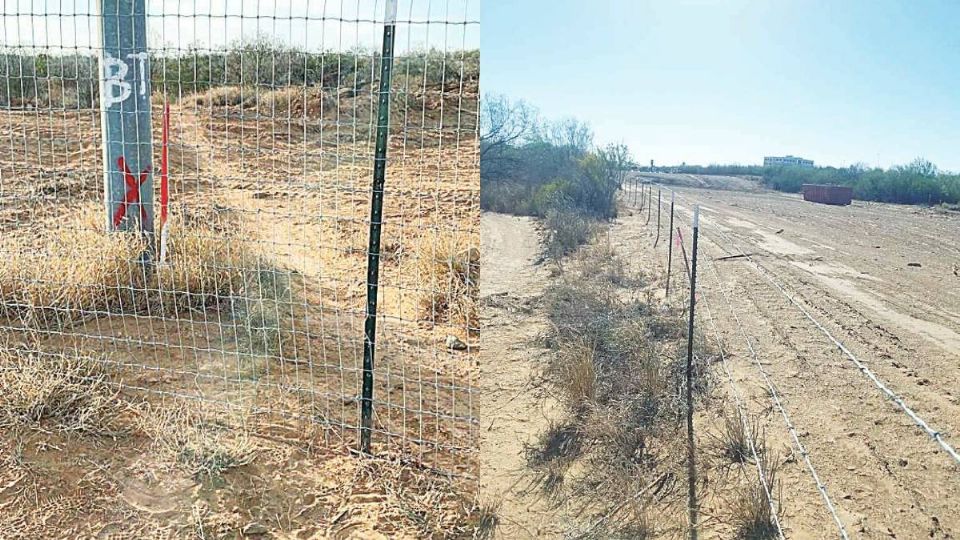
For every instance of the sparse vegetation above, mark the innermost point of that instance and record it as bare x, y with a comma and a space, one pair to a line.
618, 369
735, 436
449, 270
752, 515
59, 391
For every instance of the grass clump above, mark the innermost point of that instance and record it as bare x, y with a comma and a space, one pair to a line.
737, 438
487, 518
566, 230
68, 392
449, 267
203, 446
753, 512
75, 273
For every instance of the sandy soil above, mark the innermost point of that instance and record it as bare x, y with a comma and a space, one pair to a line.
302, 192
708, 181
883, 280
514, 410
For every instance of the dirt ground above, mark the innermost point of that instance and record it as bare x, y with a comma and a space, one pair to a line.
882, 279
301, 192
514, 409
705, 181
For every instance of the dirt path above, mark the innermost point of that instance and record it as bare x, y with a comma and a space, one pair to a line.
849, 267
512, 410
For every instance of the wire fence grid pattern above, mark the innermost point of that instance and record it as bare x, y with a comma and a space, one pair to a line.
251, 296
778, 288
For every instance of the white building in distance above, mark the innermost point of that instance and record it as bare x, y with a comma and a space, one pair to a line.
780, 161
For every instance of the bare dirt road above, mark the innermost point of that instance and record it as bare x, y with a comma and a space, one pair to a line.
883, 281
514, 410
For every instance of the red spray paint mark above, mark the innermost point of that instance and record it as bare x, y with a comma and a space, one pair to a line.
164, 194
132, 195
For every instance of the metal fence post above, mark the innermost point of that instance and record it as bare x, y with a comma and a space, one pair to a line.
691, 458
376, 221
125, 116
657, 240
649, 203
670, 244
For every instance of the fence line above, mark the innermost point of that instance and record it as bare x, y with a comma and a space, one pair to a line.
917, 420
742, 415
934, 434
273, 136
821, 487
775, 396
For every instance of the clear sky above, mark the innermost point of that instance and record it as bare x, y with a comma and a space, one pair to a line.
839, 82
56, 25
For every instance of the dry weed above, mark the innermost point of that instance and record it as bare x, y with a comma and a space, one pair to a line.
449, 267
752, 513
67, 391
737, 437
205, 447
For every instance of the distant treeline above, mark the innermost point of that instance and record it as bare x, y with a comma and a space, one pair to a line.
72, 81
918, 182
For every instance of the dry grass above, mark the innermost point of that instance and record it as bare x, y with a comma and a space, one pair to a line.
737, 437
488, 520
751, 513
449, 268
221, 96
578, 377
68, 393
618, 368
205, 447
80, 273
296, 101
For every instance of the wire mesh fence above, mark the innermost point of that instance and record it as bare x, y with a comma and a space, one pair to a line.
185, 196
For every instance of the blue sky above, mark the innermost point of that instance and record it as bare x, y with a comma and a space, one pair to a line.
838, 82
56, 25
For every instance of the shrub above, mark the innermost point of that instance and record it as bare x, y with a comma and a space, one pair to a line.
449, 268
565, 231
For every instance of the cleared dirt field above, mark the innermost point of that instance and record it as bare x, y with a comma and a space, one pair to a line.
883, 280
257, 383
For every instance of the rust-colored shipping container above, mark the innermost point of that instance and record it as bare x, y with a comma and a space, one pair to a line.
825, 194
